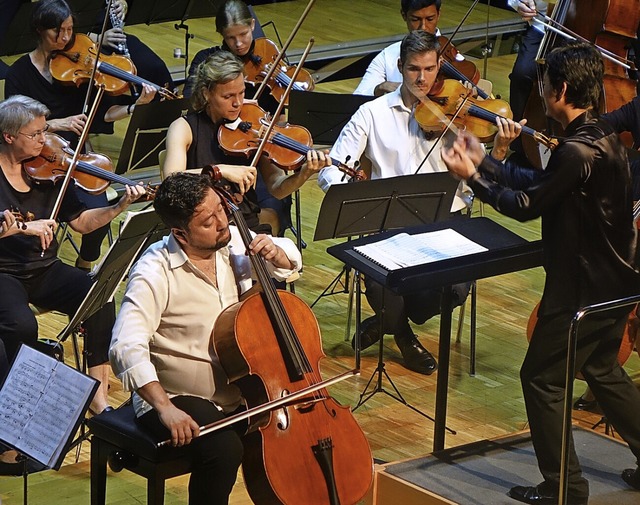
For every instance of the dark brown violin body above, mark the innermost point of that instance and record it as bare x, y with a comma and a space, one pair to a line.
74, 66
286, 147
256, 67
93, 172
610, 25
454, 66
312, 452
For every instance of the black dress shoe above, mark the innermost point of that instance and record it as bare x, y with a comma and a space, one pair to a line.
536, 495
632, 477
587, 405
416, 357
369, 333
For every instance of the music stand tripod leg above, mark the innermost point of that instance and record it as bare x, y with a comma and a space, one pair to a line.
331, 287
378, 374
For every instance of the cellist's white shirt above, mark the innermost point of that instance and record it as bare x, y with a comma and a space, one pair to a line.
164, 327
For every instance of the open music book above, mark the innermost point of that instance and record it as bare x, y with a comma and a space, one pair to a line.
404, 250
42, 402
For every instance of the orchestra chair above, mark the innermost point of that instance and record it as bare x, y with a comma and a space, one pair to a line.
118, 440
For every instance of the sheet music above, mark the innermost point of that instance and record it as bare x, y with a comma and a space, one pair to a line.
404, 250
40, 403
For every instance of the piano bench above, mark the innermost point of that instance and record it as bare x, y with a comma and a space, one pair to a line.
119, 440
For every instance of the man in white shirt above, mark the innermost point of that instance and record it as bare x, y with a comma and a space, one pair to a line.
162, 346
382, 75
386, 132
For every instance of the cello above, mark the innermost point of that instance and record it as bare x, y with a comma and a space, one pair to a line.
312, 452
610, 25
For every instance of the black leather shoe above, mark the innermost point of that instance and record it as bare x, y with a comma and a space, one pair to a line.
632, 477
536, 495
587, 405
369, 333
416, 357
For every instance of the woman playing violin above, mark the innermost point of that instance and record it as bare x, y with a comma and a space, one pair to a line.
52, 21
192, 141
30, 271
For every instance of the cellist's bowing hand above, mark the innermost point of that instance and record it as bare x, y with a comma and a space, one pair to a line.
508, 131
460, 157
42, 228
243, 176
316, 161
181, 425
264, 246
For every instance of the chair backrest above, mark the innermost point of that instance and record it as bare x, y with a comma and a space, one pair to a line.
162, 155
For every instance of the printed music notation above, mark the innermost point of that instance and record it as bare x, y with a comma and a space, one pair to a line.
41, 403
404, 250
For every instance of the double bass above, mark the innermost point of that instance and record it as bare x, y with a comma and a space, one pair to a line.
312, 452
610, 25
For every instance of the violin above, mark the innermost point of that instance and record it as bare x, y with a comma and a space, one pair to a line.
257, 66
93, 172
310, 452
74, 66
455, 102
455, 66
287, 146
21, 219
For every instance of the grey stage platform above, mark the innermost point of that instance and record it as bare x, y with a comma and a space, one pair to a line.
482, 473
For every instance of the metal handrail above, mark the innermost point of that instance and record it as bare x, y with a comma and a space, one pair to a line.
571, 373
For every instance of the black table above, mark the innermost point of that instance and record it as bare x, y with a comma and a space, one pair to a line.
507, 252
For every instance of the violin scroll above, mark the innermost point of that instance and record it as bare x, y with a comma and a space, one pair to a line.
21, 219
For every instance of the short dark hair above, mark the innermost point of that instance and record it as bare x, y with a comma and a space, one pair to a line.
581, 67
50, 14
407, 6
417, 42
178, 196
232, 12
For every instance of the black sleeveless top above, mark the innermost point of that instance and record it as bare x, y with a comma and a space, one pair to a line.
205, 150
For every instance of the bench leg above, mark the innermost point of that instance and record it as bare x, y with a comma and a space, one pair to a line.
155, 490
99, 455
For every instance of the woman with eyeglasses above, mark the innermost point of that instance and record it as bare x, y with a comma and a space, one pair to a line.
30, 271
52, 21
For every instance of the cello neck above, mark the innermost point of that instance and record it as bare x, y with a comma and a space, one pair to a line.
298, 364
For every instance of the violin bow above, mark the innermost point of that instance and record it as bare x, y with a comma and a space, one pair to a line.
267, 134
276, 62
450, 126
284, 401
74, 160
95, 65
464, 18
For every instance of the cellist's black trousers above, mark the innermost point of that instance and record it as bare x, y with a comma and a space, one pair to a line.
217, 455
543, 383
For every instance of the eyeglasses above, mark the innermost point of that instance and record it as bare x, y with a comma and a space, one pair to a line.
32, 136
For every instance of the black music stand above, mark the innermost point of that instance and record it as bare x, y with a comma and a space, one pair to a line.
506, 252
323, 114
140, 229
382, 205
147, 132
